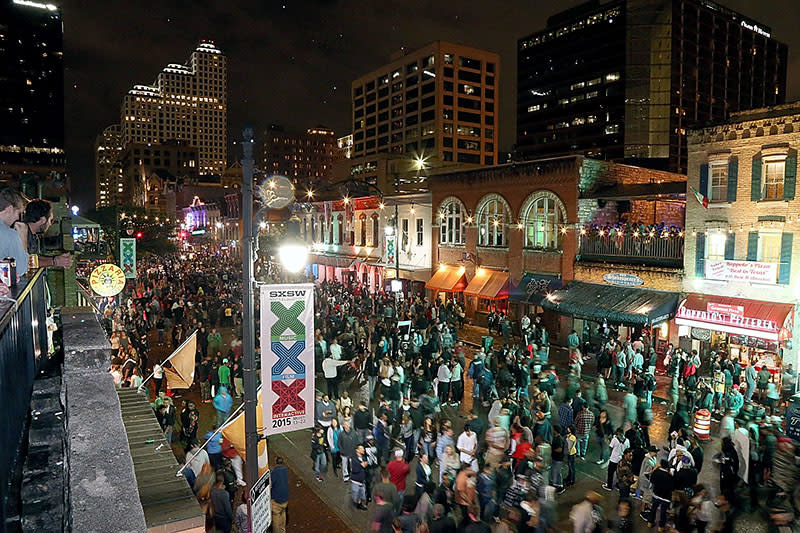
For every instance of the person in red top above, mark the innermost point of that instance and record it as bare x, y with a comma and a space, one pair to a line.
398, 470
522, 448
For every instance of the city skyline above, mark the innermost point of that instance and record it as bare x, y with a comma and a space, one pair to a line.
274, 48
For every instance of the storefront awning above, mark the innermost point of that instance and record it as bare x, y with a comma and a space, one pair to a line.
753, 318
489, 284
331, 260
533, 287
447, 279
616, 305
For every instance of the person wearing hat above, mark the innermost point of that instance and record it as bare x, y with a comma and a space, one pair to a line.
224, 374
588, 514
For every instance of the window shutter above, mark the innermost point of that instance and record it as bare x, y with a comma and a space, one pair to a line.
730, 246
755, 181
700, 256
790, 175
785, 269
752, 246
704, 181
733, 178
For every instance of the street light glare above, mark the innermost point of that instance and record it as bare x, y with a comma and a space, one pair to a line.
310, 193
293, 257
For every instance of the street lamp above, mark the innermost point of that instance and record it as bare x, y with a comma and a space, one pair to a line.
293, 256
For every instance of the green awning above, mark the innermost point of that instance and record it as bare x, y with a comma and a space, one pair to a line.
616, 305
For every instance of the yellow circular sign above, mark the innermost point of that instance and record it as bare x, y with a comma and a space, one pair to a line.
107, 280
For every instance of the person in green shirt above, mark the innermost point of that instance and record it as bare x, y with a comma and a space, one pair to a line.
224, 373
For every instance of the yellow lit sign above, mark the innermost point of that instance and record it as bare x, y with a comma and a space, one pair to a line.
107, 280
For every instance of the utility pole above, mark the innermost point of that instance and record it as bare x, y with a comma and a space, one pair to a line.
248, 340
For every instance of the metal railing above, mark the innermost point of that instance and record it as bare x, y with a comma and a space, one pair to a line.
23, 348
648, 251
85, 298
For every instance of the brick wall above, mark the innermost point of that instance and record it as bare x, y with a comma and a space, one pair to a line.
663, 279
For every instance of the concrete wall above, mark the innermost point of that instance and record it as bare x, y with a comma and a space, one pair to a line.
102, 486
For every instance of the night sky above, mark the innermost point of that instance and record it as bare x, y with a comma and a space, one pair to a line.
292, 62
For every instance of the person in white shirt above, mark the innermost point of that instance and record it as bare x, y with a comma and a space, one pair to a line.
158, 376
330, 369
336, 350
618, 446
456, 383
199, 457
467, 445
443, 377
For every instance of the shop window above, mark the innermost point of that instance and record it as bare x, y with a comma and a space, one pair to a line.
493, 217
543, 215
451, 222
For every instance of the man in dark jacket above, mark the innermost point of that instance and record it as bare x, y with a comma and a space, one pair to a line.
662, 483
358, 478
220, 501
362, 422
442, 523
347, 448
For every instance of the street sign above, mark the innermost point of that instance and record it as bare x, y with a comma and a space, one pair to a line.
261, 504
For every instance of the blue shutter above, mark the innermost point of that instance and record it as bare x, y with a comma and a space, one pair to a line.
790, 175
700, 256
786, 259
733, 178
755, 180
752, 246
730, 246
704, 181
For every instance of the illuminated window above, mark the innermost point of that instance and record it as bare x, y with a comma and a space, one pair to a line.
718, 186
614, 76
716, 246
492, 221
774, 171
451, 220
543, 214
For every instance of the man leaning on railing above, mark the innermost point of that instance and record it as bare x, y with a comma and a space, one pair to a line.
36, 221
12, 205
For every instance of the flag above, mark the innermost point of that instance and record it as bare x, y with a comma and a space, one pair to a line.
234, 432
700, 197
181, 375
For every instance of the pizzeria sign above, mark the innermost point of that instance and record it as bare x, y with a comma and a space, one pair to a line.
743, 271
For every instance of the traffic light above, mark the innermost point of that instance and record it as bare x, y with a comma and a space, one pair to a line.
139, 234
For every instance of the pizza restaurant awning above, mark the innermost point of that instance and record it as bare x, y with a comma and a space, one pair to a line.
489, 284
739, 316
447, 279
616, 305
533, 287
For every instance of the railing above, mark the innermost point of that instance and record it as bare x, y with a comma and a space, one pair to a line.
85, 298
23, 348
646, 251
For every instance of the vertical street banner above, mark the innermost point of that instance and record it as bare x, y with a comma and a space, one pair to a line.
391, 253
287, 357
127, 257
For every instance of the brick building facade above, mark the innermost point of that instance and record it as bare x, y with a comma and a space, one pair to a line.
743, 251
524, 222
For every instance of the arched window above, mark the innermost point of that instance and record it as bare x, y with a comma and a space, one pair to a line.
451, 221
339, 229
362, 223
492, 220
376, 235
543, 214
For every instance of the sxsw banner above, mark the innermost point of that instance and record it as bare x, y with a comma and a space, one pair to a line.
127, 257
287, 357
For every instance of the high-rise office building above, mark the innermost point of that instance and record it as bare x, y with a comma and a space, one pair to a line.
107, 169
306, 158
185, 103
625, 79
31, 89
438, 104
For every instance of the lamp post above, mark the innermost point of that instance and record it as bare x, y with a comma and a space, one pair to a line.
248, 333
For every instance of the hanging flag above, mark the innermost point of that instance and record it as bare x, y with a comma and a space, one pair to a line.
234, 432
181, 375
700, 197
127, 257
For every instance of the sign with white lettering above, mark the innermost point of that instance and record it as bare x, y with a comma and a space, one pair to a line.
622, 279
743, 271
728, 319
261, 504
737, 310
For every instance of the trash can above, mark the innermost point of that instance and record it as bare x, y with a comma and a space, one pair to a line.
702, 424
487, 342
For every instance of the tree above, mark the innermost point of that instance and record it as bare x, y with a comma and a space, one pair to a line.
153, 234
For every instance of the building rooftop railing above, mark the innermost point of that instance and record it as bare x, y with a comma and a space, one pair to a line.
654, 251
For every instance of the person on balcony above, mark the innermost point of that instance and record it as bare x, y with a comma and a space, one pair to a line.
12, 205
36, 221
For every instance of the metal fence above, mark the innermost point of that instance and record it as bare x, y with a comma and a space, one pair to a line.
23, 348
655, 250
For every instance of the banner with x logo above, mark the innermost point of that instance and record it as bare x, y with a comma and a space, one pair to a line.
287, 357
127, 257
